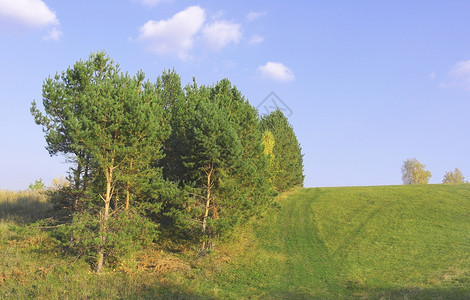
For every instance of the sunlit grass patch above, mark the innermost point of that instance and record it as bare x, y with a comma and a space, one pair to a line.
23, 207
392, 242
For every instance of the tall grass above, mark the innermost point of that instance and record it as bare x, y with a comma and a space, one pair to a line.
33, 265
23, 207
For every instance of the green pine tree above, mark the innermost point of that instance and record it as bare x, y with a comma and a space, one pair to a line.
288, 159
216, 148
116, 120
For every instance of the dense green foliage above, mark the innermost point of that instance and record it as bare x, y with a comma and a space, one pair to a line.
389, 242
112, 123
191, 160
215, 149
287, 159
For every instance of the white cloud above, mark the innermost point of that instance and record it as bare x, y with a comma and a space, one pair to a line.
459, 76
251, 16
29, 13
432, 75
256, 39
178, 34
175, 35
221, 33
276, 71
53, 35
150, 2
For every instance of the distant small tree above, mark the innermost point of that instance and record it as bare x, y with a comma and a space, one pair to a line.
455, 176
59, 183
38, 185
414, 172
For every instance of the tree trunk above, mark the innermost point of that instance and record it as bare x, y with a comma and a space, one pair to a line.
78, 171
104, 219
208, 201
127, 189
81, 181
127, 196
99, 264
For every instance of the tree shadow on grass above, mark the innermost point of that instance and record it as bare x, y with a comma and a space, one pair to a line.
385, 293
446, 292
171, 292
296, 295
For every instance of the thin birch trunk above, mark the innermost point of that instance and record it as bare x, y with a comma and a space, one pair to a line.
208, 201
104, 219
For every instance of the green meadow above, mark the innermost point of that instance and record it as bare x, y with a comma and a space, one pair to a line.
385, 242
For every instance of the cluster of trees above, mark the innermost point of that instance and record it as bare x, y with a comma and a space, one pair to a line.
187, 163
414, 172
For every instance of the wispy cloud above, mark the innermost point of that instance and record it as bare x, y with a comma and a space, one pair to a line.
276, 71
251, 16
221, 33
53, 35
256, 39
27, 13
175, 35
459, 76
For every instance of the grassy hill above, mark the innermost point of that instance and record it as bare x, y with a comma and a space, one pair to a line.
350, 242
364, 242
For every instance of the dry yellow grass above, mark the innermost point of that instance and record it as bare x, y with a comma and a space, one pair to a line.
23, 207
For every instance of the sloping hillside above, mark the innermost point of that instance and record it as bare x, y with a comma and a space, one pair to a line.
391, 241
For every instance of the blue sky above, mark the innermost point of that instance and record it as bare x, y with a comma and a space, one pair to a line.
369, 83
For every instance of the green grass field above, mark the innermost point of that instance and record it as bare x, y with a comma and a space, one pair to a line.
390, 242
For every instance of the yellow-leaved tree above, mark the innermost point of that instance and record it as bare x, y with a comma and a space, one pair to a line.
455, 176
414, 172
